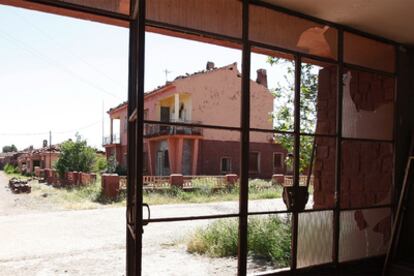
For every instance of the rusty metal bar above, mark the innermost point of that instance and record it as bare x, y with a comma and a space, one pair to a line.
183, 124
296, 158
83, 8
291, 52
131, 252
139, 130
245, 145
368, 70
173, 219
338, 156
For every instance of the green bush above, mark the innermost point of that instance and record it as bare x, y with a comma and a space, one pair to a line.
10, 169
100, 164
268, 238
75, 156
218, 239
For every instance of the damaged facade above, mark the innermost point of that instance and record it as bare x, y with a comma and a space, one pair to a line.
43, 158
210, 97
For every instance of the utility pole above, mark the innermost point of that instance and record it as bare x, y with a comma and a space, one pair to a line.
50, 149
103, 123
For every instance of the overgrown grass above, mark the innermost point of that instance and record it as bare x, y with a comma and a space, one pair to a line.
204, 191
70, 197
13, 171
91, 196
86, 196
10, 169
268, 238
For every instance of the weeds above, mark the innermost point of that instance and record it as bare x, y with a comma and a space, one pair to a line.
205, 190
10, 169
268, 238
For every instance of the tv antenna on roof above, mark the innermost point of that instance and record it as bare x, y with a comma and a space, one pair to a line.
166, 74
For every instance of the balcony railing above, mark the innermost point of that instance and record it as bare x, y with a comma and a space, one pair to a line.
108, 141
158, 130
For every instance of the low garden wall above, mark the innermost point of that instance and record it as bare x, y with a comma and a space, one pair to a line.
51, 176
112, 184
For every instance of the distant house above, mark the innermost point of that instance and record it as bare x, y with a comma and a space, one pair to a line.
44, 158
210, 97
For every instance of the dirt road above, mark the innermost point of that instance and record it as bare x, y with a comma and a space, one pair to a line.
92, 242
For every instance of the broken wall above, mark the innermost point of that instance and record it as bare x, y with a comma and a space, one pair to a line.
366, 161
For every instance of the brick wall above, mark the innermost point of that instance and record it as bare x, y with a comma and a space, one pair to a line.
366, 175
211, 152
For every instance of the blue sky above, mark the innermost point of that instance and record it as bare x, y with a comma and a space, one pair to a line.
59, 73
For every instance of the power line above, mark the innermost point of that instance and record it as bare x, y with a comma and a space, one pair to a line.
77, 129
65, 49
47, 132
55, 63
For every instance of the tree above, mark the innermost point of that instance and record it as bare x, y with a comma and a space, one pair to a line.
75, 156
283, 117
101, 164
11, 148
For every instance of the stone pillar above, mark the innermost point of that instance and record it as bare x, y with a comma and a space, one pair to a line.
231, 179
177, 180
278, 179
110, 185
195, 156
172, 154
179, 155
111, 131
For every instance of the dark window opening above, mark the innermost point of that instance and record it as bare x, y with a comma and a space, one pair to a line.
254, 162
277, 160
166, 159
225, 165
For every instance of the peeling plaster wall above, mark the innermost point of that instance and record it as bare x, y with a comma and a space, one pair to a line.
371, 116
216, 99
366, 167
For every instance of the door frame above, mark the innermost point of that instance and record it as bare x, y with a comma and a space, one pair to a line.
135, 132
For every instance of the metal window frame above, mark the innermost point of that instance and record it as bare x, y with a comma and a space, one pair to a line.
135, 127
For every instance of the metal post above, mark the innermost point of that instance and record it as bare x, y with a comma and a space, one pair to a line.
337, 212
132, 94
296, 156
245, 125
50, 149
135, 141
139, 128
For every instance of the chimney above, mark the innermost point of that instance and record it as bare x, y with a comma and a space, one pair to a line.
262, 77
210, 65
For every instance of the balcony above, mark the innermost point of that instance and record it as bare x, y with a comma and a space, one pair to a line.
108, 140
161, 130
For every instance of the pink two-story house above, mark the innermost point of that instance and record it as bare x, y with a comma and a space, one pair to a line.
209, 97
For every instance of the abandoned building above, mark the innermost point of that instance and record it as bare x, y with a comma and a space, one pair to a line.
362, 217
202, 98
43, 158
